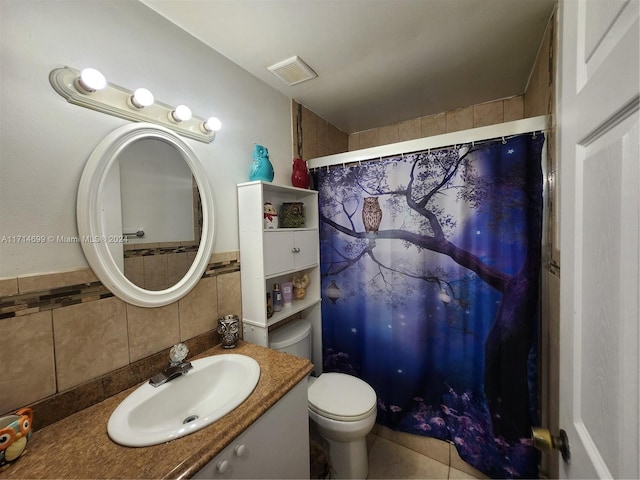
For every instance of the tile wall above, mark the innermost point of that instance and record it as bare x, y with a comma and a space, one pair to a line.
541, 100
67, 342
313, 136
157, 267
480, 115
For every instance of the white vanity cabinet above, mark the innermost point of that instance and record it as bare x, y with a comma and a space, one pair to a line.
275, 446
271, 256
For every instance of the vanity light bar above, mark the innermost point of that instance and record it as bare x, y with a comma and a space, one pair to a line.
139, 106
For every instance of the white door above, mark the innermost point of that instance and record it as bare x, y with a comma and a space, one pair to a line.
599, 247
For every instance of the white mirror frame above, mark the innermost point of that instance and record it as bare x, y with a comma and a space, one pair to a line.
90, 223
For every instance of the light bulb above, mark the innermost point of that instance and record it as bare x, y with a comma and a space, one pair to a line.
212, 125
182, 113
91, 80
142, 98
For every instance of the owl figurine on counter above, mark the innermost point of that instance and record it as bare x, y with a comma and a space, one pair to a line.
261, 168
15, 431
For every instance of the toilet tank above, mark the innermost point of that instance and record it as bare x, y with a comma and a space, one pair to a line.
294, 338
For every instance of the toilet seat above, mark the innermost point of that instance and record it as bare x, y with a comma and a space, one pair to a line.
341, 397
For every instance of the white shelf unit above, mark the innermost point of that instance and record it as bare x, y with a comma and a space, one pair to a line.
271, 256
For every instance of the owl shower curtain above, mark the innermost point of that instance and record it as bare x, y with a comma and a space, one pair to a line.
430, 266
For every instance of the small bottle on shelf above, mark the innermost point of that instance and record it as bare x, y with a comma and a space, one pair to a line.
269, 305
277, 297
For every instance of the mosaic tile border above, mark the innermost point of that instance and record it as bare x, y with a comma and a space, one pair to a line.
17, 305
142, 251
49, 299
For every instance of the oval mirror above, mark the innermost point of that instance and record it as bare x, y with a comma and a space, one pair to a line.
145, 214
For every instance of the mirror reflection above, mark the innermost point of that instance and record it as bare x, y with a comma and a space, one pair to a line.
151, 199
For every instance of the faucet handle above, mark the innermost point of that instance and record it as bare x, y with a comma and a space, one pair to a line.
178, 353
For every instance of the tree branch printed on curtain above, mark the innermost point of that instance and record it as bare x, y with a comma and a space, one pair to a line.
453, 236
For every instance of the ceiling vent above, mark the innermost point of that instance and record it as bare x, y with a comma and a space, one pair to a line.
292, 71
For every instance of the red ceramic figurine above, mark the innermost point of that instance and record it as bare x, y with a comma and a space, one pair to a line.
300, 174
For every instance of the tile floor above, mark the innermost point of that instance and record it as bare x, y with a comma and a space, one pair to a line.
390, 460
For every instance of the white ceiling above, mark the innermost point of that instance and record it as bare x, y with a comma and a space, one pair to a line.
378, 61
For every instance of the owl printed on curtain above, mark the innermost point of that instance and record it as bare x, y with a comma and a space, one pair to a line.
371, 214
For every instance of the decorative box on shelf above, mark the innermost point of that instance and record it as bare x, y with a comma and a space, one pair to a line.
292, 215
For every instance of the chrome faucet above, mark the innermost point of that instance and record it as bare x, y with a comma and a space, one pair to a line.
176, 368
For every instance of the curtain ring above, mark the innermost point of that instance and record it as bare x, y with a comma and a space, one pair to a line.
504, 142
327, 168
534, 135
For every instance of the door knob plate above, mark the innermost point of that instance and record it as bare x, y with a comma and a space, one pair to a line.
545, 442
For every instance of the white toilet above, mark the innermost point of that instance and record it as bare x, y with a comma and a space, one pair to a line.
342, 406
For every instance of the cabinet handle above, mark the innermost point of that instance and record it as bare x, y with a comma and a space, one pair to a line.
240, 450
222, 466
295, 250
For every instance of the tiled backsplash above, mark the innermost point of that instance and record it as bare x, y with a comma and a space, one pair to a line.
69, 343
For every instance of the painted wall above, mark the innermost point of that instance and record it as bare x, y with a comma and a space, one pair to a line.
45, 141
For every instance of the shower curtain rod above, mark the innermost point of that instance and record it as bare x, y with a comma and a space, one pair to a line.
517, 127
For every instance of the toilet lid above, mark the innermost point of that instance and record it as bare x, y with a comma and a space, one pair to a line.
290, 334
341, 397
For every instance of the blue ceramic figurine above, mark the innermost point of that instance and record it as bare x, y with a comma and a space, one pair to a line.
261, 168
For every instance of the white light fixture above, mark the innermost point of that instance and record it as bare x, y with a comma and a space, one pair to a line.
90, 89
141, 98
182, 113
90, 80
212, 125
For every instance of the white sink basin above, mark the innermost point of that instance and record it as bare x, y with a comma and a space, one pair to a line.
215, 386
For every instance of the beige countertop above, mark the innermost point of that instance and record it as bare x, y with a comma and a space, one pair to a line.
79, 447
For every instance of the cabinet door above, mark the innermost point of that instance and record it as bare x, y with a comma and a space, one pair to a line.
285, 251
275, 446
278, 252
305, 246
